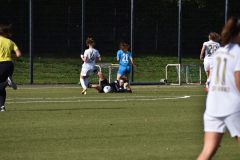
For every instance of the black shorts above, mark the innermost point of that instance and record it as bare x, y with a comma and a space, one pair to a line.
6, 70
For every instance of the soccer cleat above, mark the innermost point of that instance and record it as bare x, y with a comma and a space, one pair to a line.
84, 91
3, 109
11, 83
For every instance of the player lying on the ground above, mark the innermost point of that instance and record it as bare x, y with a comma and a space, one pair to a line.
121, 86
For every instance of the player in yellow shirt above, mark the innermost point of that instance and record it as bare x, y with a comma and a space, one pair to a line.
7, 46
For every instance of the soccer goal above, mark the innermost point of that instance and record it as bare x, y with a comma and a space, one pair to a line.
109, 70
176, 74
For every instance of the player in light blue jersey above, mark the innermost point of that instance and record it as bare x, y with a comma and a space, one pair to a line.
124, 57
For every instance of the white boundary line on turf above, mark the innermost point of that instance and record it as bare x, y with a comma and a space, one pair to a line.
22, 87
101, 100
84, 97
94, 97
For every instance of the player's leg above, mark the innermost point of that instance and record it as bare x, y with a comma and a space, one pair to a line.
4, 72
121, 71
207, 71
211, 143
86, 81
3, 85
214, 129
83, 84
233, 125
127, 72
83, 81
96, 86
2, 94
11, 83
2, 100
118, 76
9, 72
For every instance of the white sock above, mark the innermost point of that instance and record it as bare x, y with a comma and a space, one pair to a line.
83, 83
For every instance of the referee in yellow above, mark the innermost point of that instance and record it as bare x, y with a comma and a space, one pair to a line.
7, 46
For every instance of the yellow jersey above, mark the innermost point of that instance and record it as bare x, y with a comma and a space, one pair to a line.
6, 47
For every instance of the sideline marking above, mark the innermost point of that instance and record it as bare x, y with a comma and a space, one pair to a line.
98, 100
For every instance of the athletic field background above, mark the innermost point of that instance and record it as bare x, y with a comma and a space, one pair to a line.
66, 70
56, 122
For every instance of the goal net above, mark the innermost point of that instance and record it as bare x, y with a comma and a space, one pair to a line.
109, 70
177, 74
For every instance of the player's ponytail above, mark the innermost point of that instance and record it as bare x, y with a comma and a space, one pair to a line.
230, 31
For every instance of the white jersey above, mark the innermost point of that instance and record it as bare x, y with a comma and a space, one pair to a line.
224, 97
210, 47
91, 55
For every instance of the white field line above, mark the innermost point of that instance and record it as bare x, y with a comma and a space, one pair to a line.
98, 100
22, 87
82, 97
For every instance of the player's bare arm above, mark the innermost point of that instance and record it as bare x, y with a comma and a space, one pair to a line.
202, 53
18, 53
82, 57
98, 59
237, 79
132, 62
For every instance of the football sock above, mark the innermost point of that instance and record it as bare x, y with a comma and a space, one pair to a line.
83, 83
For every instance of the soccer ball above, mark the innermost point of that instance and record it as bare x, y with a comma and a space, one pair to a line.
107, 89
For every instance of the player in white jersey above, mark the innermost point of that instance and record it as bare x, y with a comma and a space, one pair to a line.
223, 100
207, 51
90, 57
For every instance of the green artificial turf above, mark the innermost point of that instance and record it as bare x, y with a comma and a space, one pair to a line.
152, 123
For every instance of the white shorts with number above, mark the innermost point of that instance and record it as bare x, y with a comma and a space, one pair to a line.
220, 124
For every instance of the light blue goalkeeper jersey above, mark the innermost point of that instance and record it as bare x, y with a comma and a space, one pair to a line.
124, 58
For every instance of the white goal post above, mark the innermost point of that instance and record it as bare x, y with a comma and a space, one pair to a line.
185, 68
109, 67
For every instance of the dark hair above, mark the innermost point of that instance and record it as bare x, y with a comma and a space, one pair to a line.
230, 31
123, 44
214, 36
90, 41
5, 30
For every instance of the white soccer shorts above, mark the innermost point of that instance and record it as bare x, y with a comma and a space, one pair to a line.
220, 124
87, 71
207, 63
